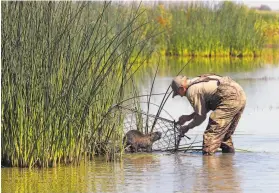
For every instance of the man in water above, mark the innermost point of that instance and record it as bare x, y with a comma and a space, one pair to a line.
220, 94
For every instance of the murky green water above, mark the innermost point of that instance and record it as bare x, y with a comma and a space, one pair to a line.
258, 132
242, 172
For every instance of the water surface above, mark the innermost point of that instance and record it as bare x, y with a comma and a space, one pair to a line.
242, 172
258, 129
257, 132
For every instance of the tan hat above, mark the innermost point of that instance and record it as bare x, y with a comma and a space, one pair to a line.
177, 83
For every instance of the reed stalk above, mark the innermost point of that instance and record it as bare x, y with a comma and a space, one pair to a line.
64, 64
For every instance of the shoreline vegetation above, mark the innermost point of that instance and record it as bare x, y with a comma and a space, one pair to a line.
216, 30
65, 64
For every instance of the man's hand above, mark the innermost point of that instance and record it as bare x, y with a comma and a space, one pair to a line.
184, 129
184, 118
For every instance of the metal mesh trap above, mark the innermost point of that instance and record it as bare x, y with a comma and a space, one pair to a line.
146, 123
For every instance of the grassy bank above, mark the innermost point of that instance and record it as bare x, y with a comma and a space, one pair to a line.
63, 65
215, 29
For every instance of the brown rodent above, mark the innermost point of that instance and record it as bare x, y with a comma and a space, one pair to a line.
137, 140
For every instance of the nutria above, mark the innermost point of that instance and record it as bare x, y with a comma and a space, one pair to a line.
136, 140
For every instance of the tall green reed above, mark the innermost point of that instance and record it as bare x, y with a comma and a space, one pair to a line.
64, 64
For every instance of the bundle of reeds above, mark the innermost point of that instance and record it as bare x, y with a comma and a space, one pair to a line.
63, 66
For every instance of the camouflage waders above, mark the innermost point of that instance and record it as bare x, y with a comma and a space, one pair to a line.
227, 103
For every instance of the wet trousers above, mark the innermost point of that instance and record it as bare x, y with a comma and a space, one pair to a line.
224, 118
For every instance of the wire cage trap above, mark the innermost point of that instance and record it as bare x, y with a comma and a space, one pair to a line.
146, 123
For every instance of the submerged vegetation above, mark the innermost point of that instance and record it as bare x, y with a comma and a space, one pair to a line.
65, 64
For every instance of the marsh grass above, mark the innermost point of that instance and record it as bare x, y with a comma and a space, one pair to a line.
210, 29
64, 64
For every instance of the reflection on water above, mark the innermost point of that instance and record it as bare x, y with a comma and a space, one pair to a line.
219, 174
170, 66
162, 172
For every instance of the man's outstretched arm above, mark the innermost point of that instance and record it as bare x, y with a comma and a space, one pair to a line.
197, 120
184, 118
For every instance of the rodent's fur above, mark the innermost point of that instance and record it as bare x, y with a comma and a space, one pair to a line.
137, 140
